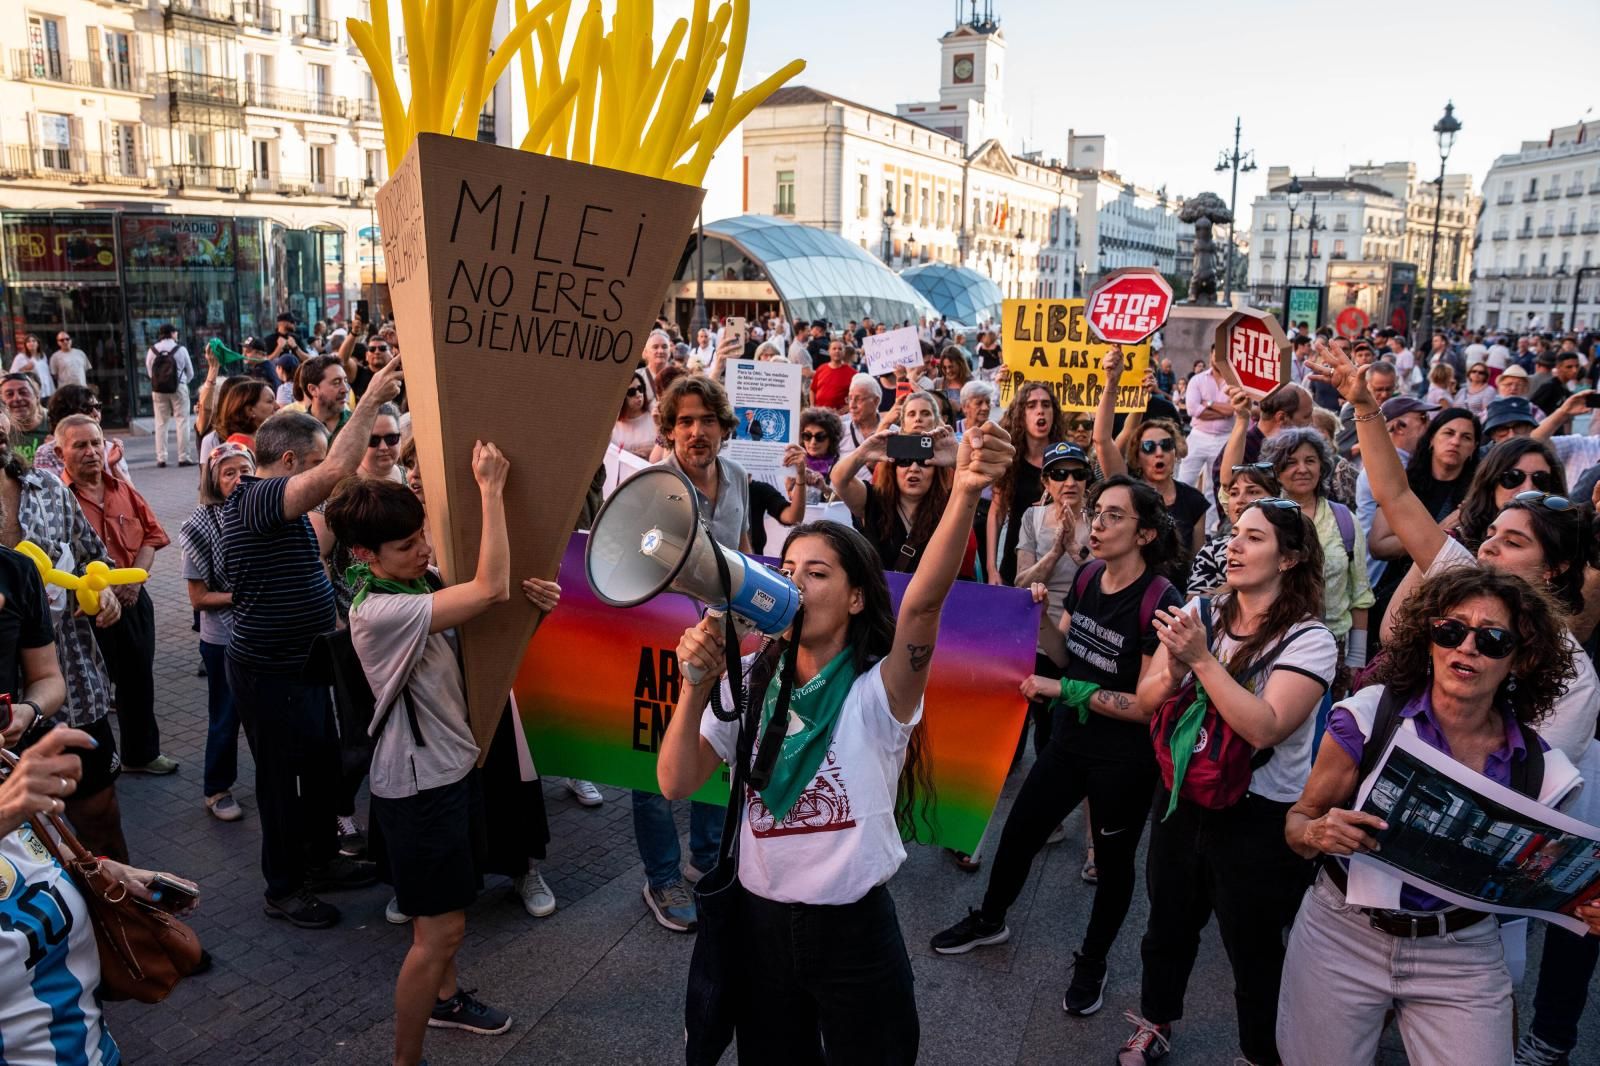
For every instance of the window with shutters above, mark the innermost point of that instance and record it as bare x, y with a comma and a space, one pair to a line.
785, 202
262, 154
319, 164
123, 147
45, 58
55, 141
117, 73
374, 165
861, 195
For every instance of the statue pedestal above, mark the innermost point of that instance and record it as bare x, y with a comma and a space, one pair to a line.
1188, 334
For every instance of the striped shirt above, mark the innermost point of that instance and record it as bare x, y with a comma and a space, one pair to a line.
281, 596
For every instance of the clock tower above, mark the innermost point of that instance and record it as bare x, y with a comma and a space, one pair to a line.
972, 60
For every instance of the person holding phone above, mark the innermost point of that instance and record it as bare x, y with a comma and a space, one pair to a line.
899, 511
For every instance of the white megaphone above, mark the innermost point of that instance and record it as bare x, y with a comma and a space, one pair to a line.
648, 539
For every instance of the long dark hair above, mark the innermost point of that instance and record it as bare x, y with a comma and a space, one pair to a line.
1543, 662
870, 636
1163, 554
1478, 509
1419, 471
1013, 421
887, 488
1299, 593
1567, 540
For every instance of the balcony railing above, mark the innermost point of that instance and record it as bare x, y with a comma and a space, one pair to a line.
1552, 193
81, 73
1530, 196
1595, 187
1547, 231
270, 96
255, 15
189, 88
210, 10
1501, 234
1269, 254
1569, 229
783, 208
69, 167
302, 185
1591, 227
199, 176
1505, 198
365, 111
1574, 190
486, 128
317, 29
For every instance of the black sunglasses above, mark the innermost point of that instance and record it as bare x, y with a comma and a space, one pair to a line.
377, 347
1554, 503
635, 390
391, 439
1260, 468
1492, 642
1513, 479
903, 463
1062, 473
817, 435
1166, 444
1275, 502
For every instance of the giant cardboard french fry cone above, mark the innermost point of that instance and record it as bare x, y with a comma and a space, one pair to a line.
523, 288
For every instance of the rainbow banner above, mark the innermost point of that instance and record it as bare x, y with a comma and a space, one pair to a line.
598, 685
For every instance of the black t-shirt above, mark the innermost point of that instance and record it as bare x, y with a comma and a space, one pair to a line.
889, 547
1187, 508
24, 617
989, 358
1106, 645
1025, 492
362, 379
1551, 395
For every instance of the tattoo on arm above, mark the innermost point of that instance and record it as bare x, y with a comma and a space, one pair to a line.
920, 654
1120, 700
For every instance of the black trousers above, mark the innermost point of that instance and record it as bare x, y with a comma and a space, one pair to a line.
290, 729
1119, 792
130, 650
1564, 976
1235, 864
826, 985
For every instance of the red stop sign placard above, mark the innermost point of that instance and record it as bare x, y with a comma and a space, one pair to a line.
1351, 321
1252, 351
1128, 305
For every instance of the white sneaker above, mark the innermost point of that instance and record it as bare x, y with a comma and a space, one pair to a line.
584, 792
537, 899
393, 914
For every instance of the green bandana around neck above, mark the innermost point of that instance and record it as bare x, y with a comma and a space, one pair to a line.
813, 715
360, 577
1184, 735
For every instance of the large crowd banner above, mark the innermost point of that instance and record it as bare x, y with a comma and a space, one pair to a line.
1049, 341
598, 685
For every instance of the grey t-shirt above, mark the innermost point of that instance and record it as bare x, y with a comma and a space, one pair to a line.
404, 662
1037, 534
726, 516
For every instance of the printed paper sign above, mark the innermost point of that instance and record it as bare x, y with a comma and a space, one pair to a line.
1049, 341
766, 408
885, 351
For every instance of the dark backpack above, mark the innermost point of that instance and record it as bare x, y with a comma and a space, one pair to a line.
1347, 527
1527, 775
164, 371
1219, 770
1148, 603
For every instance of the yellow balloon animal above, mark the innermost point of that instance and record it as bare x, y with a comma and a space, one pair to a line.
97, 577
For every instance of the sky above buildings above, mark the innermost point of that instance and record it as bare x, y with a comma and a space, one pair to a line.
1318, 87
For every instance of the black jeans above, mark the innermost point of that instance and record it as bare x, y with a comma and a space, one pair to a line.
289, 727
1564, 976
1233, 863
1118, 791
130, 650
826, 984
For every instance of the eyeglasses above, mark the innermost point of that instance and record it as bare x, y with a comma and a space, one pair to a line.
1260, 468
63, 339
1554, 503
1165, 444
391, 439
1103, 519
635, 390
1477, 373
1276, 502
817, 435
1062, 473
1491, 642
377, 347
903, 463
1513, 478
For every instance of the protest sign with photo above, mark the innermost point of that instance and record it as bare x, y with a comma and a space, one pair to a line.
1470, 841
883, 352
1049, 341
766, 408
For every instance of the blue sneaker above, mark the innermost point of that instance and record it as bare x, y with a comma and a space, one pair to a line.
672, 906
464, 1011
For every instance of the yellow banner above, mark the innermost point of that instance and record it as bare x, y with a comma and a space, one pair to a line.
1049, 341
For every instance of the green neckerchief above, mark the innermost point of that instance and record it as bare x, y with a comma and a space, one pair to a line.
1076, 694
360, 577
1184, 735
813, 714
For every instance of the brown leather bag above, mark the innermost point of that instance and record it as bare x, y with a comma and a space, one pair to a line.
144, 951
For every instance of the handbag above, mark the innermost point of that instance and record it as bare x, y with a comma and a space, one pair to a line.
144, 951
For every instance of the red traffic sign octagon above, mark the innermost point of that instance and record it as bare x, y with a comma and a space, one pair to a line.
1351, 321
1129, 305
1252, 350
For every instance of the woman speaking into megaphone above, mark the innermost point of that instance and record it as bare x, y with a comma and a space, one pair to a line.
799, 947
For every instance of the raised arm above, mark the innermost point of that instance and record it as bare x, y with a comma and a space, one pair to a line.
1105, 416
1233, 451
985, 453
306, 490
1408, 518
846, 485
1575, 405
491, 582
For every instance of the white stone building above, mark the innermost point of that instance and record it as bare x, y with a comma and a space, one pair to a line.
1337, 219
1539, 229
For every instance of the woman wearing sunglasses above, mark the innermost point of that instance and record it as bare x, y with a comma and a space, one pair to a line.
900, 508
1099, 746
1242, 485
1475, 660
1257, 672
811, 462
1152, 455
635, 429
1508, 469
1477, 392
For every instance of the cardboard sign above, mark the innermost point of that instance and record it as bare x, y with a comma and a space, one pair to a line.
885, 351
1048, 341
604, 722
1252, 352
1129, 305
523, 288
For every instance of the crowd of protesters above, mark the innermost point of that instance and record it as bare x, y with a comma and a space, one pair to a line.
1242, 602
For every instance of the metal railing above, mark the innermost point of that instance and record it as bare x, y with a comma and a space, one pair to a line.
1505, 198
1569, 229
210, 10
81, 73
270, 96
255, 15
1547, 231
1529, 197
199, 176
783, 208
1552, 193
1574, 190
69, 167
203, 89
318, 29
365, 111
1591, 227
1501, 234
486, 128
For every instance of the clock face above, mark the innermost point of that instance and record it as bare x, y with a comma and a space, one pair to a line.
963, 68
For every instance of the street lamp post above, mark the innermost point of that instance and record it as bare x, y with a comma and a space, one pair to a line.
369, 185
888, 233
1237, 161
1555, 297
1019, 237
1312, 226
1293, 197
1083, 274
698, 319
1577, 283
1444, 131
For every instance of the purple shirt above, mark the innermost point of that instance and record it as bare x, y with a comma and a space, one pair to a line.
1347, 734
